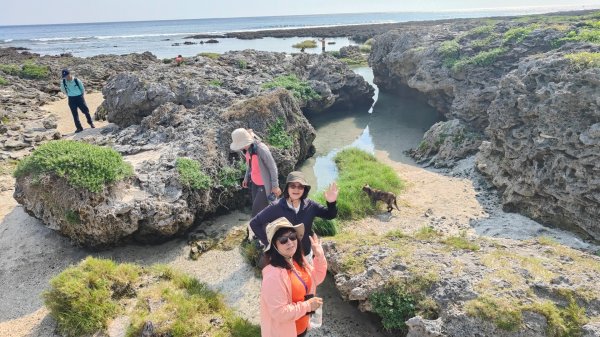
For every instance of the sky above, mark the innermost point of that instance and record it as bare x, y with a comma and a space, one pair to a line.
25, 12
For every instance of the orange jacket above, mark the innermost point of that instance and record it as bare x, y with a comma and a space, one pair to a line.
277, 312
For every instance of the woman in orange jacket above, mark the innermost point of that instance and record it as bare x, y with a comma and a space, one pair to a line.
289, 281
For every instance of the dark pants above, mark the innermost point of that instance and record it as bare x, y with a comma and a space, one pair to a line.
78, 102
259, 198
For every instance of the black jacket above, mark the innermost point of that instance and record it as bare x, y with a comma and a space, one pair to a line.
307, 213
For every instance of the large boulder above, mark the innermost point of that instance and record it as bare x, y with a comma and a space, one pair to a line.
164, 113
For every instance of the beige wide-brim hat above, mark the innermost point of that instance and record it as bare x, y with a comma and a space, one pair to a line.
298, 177
282, 222
240, 139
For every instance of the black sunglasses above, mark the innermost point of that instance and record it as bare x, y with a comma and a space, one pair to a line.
284, 239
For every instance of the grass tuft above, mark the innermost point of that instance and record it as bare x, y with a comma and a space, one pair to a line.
278, 137
81, 164
584, 60
213, 56
305, 44
357, 168
191, 175
301, 89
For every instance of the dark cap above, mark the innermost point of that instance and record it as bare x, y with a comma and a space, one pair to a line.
65, 73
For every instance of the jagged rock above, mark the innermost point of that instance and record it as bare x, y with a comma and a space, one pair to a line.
166, 113
591, 329
539, 112
420, 327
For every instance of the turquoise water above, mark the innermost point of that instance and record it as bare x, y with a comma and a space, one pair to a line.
393, 125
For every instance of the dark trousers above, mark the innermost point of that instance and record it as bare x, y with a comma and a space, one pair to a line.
259, 198
79, 102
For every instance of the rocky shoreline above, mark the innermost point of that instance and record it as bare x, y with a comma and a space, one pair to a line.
512, 98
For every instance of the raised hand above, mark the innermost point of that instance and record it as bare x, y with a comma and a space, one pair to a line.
332, 192
315, 244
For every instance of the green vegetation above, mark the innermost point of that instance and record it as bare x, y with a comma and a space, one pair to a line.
215, 83
508, 315
213, 56
355, 62
301, 89
461, 242
484, 58
191, 175
81, 164
518, 34
242, 64
365, 48
251, 253
357, 168
584, 60
503, 314
450, 51
72, 217
230, 176
278, 137
3, 81
427, 233
28, 70
305, 44
400, 300
10, 69
84, 298
325, 227
334, 53
484, 43
167, 61
583, 35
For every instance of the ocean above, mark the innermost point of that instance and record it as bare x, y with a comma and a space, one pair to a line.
159, 37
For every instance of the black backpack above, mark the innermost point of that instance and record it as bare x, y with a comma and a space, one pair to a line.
76, 83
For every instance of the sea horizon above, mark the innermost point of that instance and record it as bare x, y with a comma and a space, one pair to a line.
167, 37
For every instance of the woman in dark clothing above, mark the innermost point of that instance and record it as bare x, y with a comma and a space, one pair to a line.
297, 208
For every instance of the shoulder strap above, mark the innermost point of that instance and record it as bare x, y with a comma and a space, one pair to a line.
78, 85
65, 86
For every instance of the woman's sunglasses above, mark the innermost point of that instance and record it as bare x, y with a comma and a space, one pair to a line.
296, 186
284, 239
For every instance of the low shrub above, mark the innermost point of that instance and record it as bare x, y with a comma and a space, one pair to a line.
278, 137
167, 61
355, 62
83, 298
300, 89
3, 81
191, 175
213, 56
365, 48
394, 305
230, 176
81, 164
450, 50
10, 69
305, 44
33, 71
215, 83
357, 168
505, 315
334, 53
584, 60
461, 242
518, 34
242, 64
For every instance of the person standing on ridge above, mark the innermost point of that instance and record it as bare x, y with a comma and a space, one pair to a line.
261, 170
322, 44
73, 88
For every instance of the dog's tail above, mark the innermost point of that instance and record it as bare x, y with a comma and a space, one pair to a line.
395, 204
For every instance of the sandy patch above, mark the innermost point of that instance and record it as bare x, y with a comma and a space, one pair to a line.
61, 109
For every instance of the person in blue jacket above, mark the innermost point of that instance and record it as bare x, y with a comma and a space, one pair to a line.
297, 208
73, 88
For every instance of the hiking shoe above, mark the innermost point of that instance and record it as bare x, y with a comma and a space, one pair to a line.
78, 130
92, 126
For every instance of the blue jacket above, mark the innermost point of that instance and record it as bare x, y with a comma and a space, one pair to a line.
307, 213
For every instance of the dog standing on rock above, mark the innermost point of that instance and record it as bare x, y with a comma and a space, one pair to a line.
388, 197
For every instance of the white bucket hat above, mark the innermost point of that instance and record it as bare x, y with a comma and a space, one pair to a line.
282, 222
241, 138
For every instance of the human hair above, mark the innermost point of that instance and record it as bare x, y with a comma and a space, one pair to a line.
286, 194
276, 259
